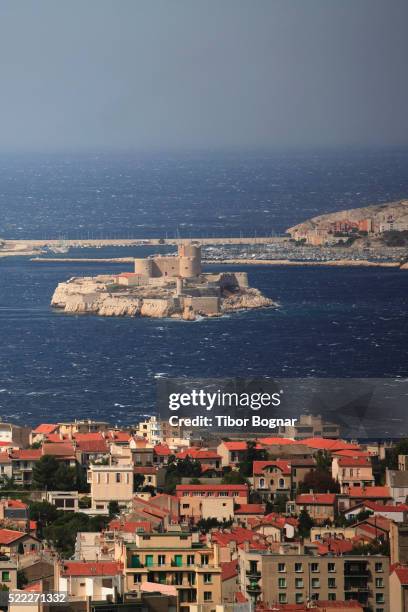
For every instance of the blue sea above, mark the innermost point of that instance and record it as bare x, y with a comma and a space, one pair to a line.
331, 322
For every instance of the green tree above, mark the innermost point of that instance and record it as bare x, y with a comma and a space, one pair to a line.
138, 480
305, 523
251, 454
233, 477
319, 481
279, 503
323, 460
44, 473
22, 580
113, 508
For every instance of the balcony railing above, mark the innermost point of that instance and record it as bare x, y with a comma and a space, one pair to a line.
253, 574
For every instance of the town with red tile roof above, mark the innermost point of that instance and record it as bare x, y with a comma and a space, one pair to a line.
274, 523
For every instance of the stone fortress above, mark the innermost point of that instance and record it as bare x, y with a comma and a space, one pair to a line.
161, 286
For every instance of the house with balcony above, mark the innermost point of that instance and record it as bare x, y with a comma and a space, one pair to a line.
299, 575
177, 559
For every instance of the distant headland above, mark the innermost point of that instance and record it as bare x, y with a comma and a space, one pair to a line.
161, 286
386, 224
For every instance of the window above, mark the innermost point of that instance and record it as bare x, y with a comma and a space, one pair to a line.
314, 567
161, 559
281, 483
298, 567
282, 597
332, 596
107, 477
281, 567
117, 476
186, 505
379, 598
299, 583
204, 559
379, 567
262, 483
282, 583
299, 598
315, 583
331, 583
331, 567
190, 559
379, 583
137, 578
207, 595
207, 578
5, 576
107, 583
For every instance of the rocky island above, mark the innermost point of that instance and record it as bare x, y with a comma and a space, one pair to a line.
161, 286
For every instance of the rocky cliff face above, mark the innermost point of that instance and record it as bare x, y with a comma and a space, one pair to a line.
250, 298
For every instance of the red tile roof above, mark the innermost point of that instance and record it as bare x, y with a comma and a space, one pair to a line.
369, 492
88, 437
229, 569
162, 449
260, 466
330, 445
239, 446
240, 597
327, 499
215, 487
250, 509
271, 441
15, 503
386, 507
90, 568
352, 453
145, 469
31, 454
45, 428
354, 462
130, 526
238, 535
119, 436
402, 574
198, 453
8, 536
59, 450
92, 446
333, 545
5, 458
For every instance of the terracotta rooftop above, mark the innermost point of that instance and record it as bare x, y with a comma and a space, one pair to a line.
90, 568
316, 498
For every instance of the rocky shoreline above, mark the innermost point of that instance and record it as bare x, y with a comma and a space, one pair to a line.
95, 295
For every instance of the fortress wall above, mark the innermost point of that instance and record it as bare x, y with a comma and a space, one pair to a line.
166, 266
234, 279
144, 267
205, 305
189, 266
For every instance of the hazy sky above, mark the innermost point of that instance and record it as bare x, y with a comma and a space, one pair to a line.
202, 73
